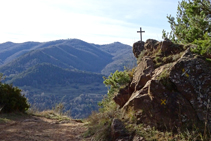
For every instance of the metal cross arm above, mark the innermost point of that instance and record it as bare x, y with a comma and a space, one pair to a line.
140, 33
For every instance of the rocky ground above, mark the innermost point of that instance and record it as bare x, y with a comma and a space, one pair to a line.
40, 128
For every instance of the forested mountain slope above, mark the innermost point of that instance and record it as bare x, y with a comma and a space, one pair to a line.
63, 71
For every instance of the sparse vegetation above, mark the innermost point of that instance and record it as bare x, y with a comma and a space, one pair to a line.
164, 77
56, 113
141, 55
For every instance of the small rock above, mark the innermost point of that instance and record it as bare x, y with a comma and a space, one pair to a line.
118, 130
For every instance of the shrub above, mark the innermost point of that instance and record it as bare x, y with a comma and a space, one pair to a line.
114, 82
11, 99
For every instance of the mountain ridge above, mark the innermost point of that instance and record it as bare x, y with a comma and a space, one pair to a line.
79, 55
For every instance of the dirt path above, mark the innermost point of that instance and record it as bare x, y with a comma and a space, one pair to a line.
33, 128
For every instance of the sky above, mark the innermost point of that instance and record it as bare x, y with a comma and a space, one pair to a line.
93, 21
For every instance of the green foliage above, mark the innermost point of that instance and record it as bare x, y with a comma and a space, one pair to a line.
204, 46
11, 99
117, 79
192, 20
192, 25
114, 82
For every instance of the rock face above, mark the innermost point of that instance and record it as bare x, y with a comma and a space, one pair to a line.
123, 96
174, 94
138, 47
142, 74
151, 44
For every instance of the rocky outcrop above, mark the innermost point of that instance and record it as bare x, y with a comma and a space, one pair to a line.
138, 47
174, 94
151, 44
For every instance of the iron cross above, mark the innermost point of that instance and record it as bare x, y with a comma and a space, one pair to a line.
140, 33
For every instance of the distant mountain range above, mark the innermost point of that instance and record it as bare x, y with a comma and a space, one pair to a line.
64, 68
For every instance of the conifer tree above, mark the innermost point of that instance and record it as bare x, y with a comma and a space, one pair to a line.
192, 20
192, 25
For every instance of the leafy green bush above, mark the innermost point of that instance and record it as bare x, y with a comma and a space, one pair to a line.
114, 82
11, 99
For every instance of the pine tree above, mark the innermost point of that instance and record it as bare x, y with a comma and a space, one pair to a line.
192, 25
192, 20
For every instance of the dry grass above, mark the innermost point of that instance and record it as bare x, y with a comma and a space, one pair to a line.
50, 114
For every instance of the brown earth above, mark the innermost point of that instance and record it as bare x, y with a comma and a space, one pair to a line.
39, 128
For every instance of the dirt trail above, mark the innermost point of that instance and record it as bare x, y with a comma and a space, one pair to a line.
33, 128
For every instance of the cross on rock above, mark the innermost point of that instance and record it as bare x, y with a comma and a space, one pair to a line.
140, 33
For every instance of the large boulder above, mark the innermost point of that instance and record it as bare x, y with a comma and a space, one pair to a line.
166, 46
192, 77
138, 47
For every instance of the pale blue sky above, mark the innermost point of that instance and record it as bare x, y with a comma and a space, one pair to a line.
94, 21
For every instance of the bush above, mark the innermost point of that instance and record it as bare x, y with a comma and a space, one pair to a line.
114, 82
11, 99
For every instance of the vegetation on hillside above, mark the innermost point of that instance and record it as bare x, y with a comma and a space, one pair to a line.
45, 85
116, 80
100, 123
